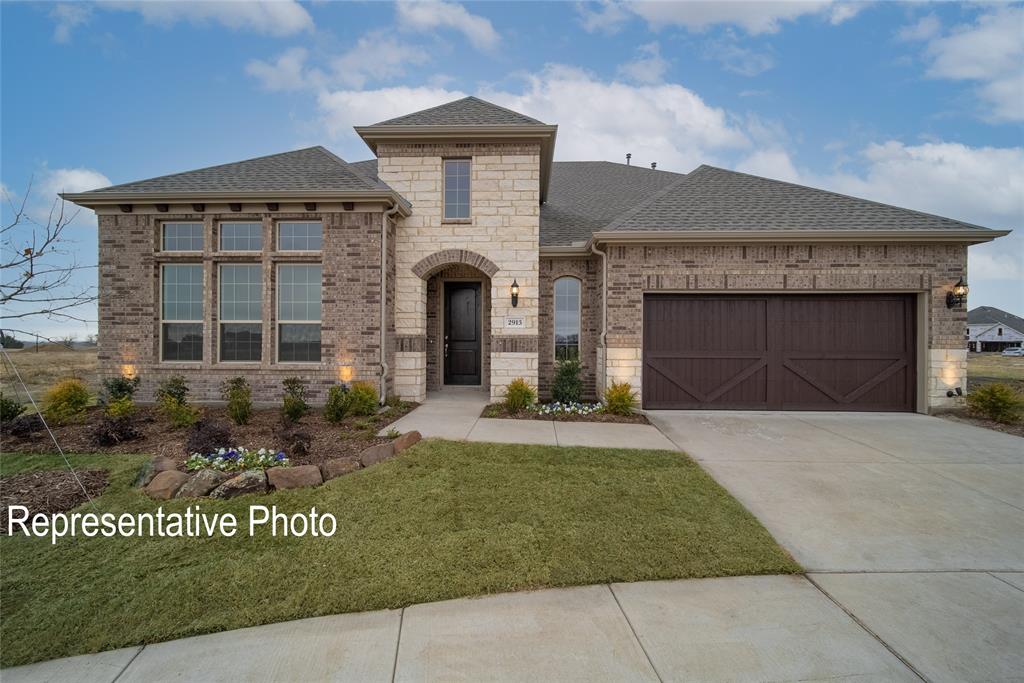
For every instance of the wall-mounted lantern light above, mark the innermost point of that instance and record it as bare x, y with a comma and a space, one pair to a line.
958, 295
515, 293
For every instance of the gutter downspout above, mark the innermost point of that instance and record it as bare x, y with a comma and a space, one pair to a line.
382, 391
604, 308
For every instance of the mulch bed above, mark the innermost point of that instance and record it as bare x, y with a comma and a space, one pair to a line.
498, 410
48, 491
964, 417
265, 430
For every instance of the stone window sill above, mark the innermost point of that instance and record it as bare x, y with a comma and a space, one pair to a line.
456, 221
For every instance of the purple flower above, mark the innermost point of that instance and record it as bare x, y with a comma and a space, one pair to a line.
280, 456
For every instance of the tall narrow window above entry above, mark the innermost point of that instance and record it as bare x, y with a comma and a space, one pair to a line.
456, 188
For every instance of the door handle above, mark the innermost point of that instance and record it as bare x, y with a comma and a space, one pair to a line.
446, 350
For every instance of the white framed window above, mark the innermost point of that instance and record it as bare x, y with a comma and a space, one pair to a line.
181, 237
298, 313
181, 313
241, 313
241, 237
456, 188
567, 318
300, 236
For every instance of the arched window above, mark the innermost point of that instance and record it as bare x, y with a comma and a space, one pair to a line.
567, 318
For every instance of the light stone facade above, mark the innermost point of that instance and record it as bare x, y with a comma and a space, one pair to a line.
504, 227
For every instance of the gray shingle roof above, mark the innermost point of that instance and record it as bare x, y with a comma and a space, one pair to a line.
712, 198
586, 196
312, 169
996, 316
469, 111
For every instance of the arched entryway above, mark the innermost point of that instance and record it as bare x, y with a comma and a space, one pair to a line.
458, 318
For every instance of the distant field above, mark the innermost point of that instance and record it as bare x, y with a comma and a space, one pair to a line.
41, 369
985, 368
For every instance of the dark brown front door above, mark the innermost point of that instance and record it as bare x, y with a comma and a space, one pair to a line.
798, 352
462, 333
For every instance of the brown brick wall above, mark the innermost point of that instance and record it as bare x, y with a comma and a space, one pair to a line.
633, 270
588, 271
129, 295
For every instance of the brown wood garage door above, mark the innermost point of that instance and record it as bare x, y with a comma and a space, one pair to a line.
800, 352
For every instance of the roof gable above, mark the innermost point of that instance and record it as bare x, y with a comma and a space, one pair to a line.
716, 199
469, 111
310, 169
988, 314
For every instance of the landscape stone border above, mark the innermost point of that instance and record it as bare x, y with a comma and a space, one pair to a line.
161, 479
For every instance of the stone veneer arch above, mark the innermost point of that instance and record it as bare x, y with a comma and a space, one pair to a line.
440, 259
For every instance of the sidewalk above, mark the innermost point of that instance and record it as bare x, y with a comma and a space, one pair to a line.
742, 628
455, 414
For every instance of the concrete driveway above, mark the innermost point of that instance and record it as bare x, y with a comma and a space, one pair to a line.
913, 524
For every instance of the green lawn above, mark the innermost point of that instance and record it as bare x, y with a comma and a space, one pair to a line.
440, 521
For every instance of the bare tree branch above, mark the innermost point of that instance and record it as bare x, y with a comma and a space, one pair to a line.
38, 265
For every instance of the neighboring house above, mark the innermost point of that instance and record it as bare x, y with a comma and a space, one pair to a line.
464, 255
991, 329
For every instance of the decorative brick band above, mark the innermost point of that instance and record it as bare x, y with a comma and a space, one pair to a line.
415, 343
519, 343
431, 264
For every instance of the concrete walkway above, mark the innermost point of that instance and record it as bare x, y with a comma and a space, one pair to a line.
779, 628
454, 413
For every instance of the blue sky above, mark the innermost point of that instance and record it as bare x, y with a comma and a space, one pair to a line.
919, 105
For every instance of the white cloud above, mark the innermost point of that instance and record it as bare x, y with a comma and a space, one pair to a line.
770, 163
925, 28
990, 51
666, 123
427, 15
648, 67
753, 16
58, 180
607, 16
287, 72
271, 17
983, 185
733, 57
67, 17
377, 56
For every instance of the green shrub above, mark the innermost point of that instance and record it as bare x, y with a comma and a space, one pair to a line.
567, 387
363, 399
177, 413
337, 403
619, 399
174, 387
9, 408
998, 402
111, 430
295, 405
120, 407
238, 394
117, 388
519, 395
65, 400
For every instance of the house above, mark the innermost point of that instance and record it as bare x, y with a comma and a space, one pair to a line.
462, 254
991, 329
